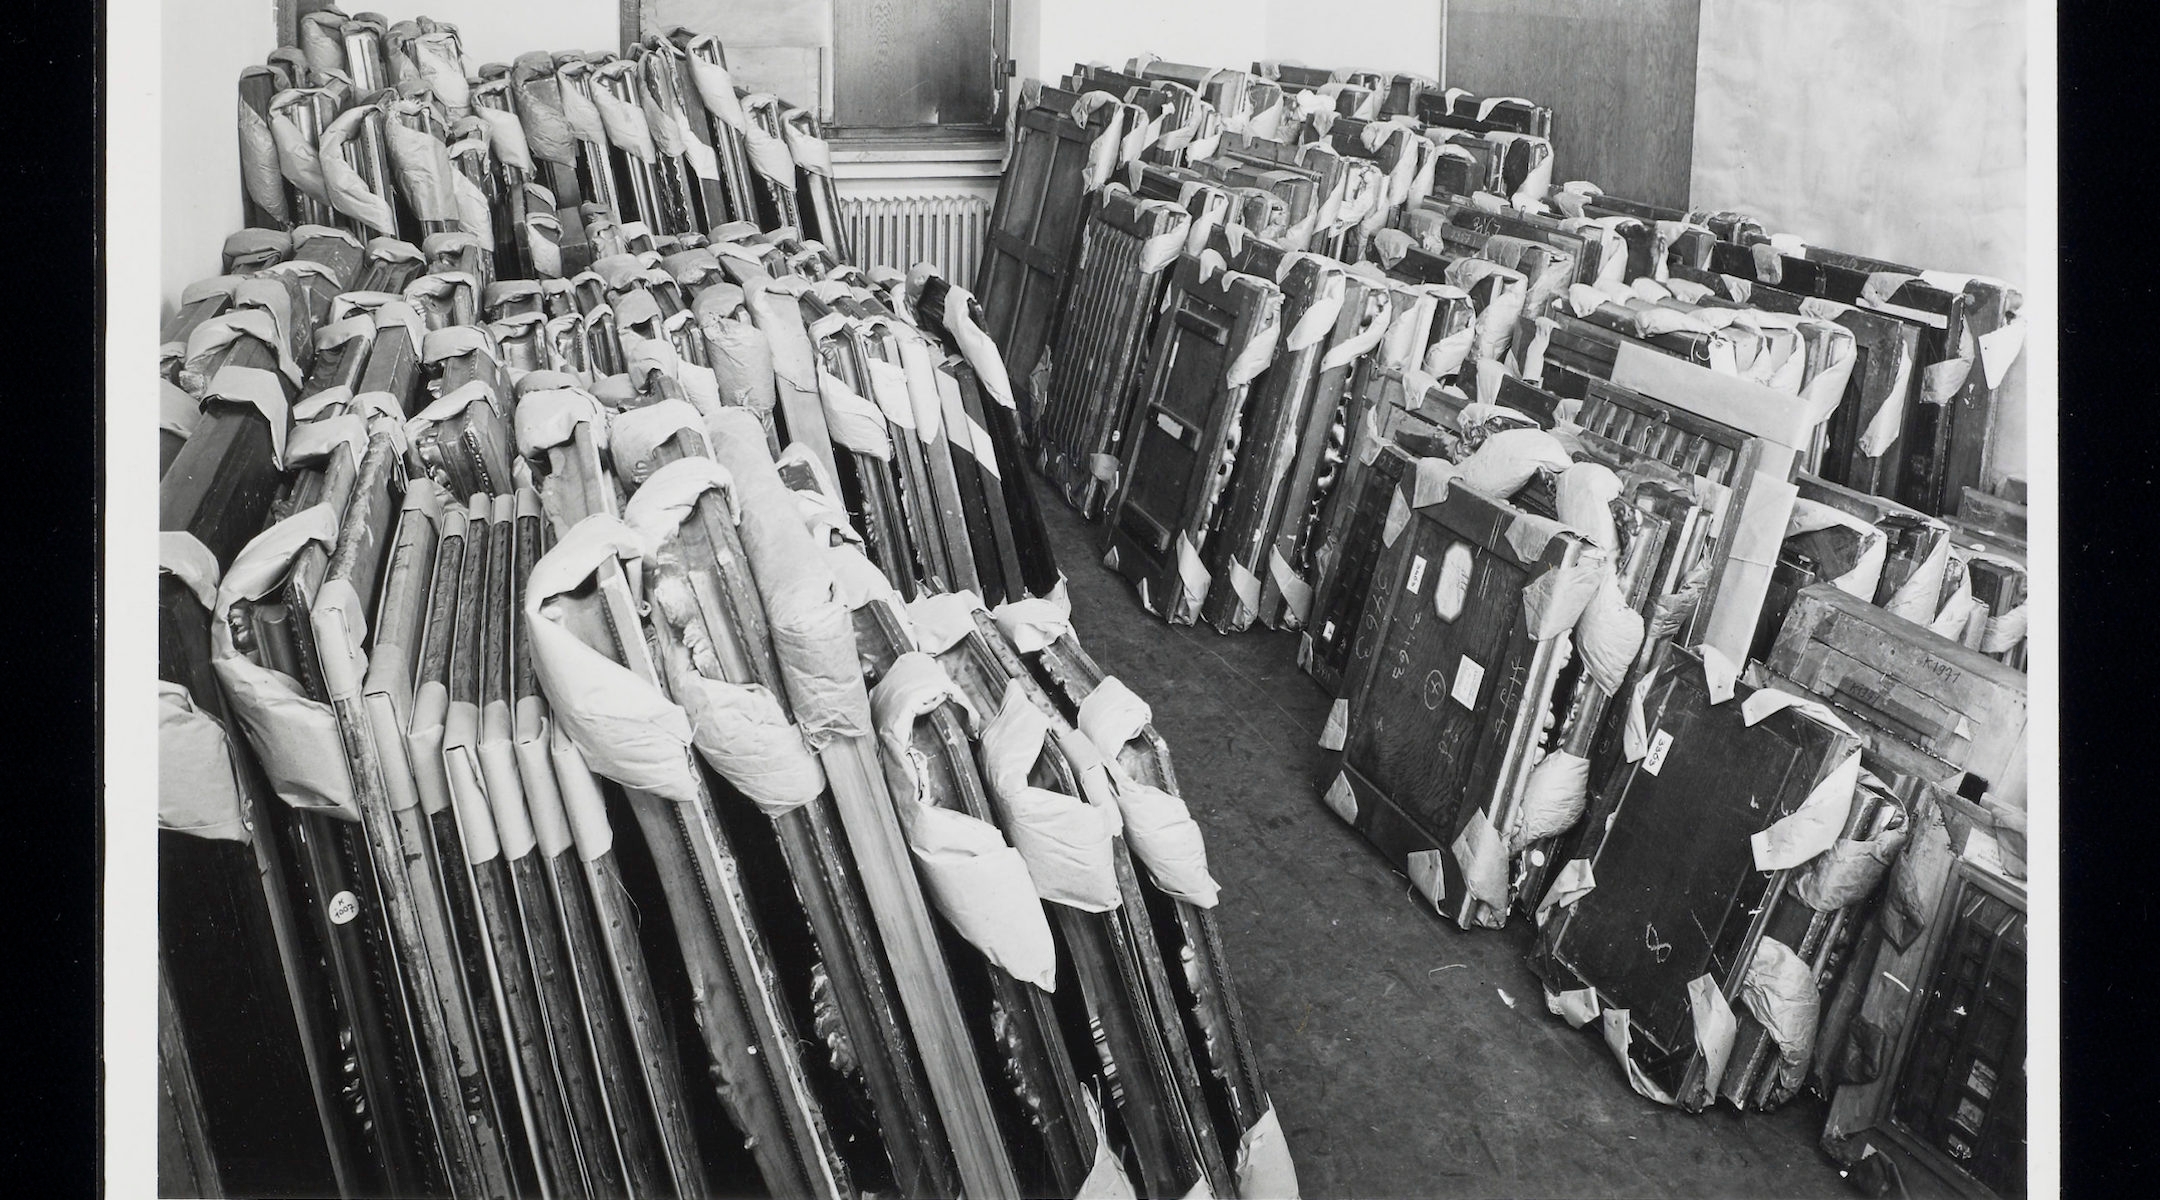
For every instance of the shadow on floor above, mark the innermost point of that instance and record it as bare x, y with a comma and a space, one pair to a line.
1406, 1057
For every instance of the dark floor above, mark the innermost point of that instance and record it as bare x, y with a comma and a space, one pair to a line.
1406, 1057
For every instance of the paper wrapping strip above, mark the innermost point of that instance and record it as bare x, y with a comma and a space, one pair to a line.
855, 423
979, 882
1848, 872
261, 172
1508, 460
623, 122
1554, 602
1715, 1028
1158, 826
1263, 1168
1609, 634
943, 620
1577, 1006
1552, 800
1573, 881
423, 169
1582, 498
296, 739
183, 556
198, 792
1483, 858
296, 153
812, 633
768, 153
1780, 992
625, 728
1032, 623
1813, 827
1336, 731
1106, 1179
1065, 841
1616, 1038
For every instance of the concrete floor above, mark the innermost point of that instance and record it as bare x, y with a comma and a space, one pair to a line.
1396, 1061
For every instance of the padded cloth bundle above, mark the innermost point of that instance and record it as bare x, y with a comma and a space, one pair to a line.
741, 729
1553, 799
198, 794
979, 883
1034, 622
811, 631
296, 738
1848, 871
1779, 991
1066, 841
1158, 825
1510, 459
623, 725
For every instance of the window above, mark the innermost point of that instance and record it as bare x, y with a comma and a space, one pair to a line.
873, 66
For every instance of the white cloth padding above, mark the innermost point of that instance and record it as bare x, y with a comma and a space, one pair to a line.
1032, 623
198, 793
1398, 516
1264, 1170
1720, 674
1714, 1027
1848, 872
624, 123
1813, 827
423, 168
296, 153
858, 581
1554, 601
666, 499
261, 164
1577, 1006
744, 733
1193, 582
741, 357
1065, 841
1583, 497
1616, 1038
1529, 534
1158, 826
889, 388
506, 137
1779, 991
263, 325
578, 109
1509, 459
1572, 882
975, 346
622, 724
296, 739
583, 806
1608, 635
1809, 516
185, 558
714, 85
812, 633
1390, 245
349, 193
854, 423
944, 620
1552, 800
1336, 732
1483, 858
1296, 593
979, 882
634, 434
550, 418
1318, 319
1253, 357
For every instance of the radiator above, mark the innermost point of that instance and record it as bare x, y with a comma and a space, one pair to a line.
900, 231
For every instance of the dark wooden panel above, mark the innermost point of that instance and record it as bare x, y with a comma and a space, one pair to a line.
914, 62
1620, 79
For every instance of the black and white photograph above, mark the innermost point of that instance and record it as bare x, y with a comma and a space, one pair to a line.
1081, 599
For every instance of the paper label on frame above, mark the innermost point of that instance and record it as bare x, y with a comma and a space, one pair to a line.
1654, 760
1469, 678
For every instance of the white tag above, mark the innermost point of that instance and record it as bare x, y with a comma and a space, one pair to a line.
1417, 573
1340, 799
1654, 760
1454, 587
1469, 677
343, 908
1327, 631
1170, 426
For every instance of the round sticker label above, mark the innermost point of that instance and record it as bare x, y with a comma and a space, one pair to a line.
343, 908
1453, 589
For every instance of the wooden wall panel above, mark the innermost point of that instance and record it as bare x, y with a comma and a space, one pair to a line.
1619, 76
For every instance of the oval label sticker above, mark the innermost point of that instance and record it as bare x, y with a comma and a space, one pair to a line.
343, 908
1453, 588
